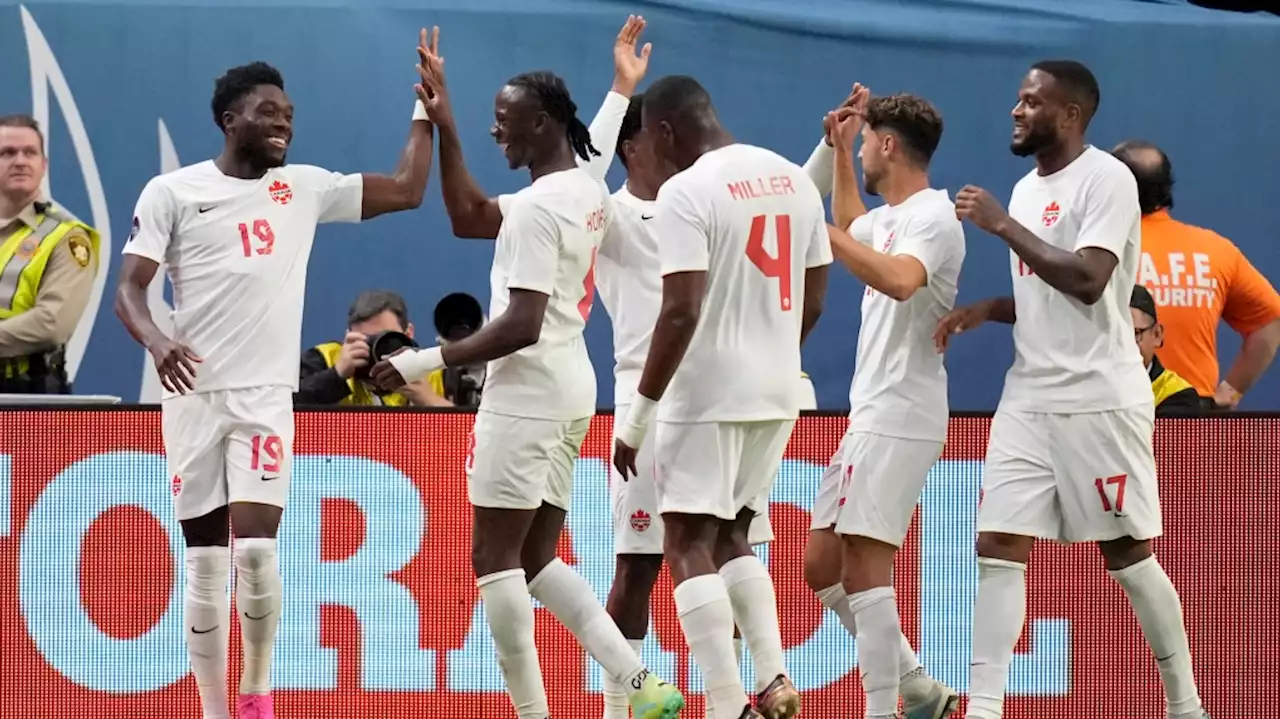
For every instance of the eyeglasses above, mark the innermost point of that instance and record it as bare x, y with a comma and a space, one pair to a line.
1138, 332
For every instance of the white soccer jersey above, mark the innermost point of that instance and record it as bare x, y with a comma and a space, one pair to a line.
237, 253
629, 277
550, 233
754, 222
900, 384
1069, 356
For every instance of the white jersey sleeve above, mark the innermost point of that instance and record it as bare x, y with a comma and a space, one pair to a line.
339, 197
536, 255
1109, 211
927, 239
682, 230
863, 227
820, 167
604, 131
154, 218
818, 254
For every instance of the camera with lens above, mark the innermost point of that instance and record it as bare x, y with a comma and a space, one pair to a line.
381, 346
457, 316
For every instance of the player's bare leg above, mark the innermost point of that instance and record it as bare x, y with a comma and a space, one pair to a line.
1156, 604
923, 697
205, 609
705, 609
633, 580
573, 602
755, 609
258, 601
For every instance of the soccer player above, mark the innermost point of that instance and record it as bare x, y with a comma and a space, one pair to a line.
741, 239
629, 277
540, 390
236, 233
1070, 455
908, 252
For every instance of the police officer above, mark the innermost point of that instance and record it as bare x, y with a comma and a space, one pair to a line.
48, 260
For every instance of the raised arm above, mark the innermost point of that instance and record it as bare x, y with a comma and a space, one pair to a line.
472, 213
844, 126
404, 187
628, 70
821, 161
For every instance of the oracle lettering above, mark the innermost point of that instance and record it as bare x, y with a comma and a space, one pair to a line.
73, 645
761, 187
392, 659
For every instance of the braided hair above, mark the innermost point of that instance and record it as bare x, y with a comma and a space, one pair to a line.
555, 101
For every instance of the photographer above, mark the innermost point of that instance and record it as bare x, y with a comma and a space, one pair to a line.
336, 373
457, 316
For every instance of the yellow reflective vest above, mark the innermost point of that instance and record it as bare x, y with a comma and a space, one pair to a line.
360, 394
24, 255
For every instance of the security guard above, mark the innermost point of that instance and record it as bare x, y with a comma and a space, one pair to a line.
48, 261
1173, 393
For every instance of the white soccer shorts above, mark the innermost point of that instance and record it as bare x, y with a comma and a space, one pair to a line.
228, 446
872, 486
637, 523
718, 468
1072, 477
520, 462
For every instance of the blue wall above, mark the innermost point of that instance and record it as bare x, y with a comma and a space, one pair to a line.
1193, 80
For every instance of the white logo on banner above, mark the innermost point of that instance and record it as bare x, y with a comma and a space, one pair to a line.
46, 74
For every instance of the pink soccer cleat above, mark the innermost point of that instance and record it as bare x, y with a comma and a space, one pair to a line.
255, 706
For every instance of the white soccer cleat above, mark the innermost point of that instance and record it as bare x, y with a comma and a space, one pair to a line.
923, 697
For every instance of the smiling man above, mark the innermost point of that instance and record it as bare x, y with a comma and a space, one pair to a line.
236, 233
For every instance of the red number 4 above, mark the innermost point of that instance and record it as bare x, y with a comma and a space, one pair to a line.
262, 232
779, 265
267, 452
1102, 484
588, 289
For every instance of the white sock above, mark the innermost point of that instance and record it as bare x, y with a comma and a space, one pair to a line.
999, 611
616, 705
755, 607
706, 616
737, 653
207, 615
572, 600
509, 613
879, 633
835, 599
1155, 602
258, 599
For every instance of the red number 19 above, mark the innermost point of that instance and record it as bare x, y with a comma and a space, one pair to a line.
264, 234
779, 265
272, 447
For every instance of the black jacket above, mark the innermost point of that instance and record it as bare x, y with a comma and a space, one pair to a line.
318, 383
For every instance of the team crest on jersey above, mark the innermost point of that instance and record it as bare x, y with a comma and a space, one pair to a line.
280, 192
1051, 214
640, 520
175, 485
133, 231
